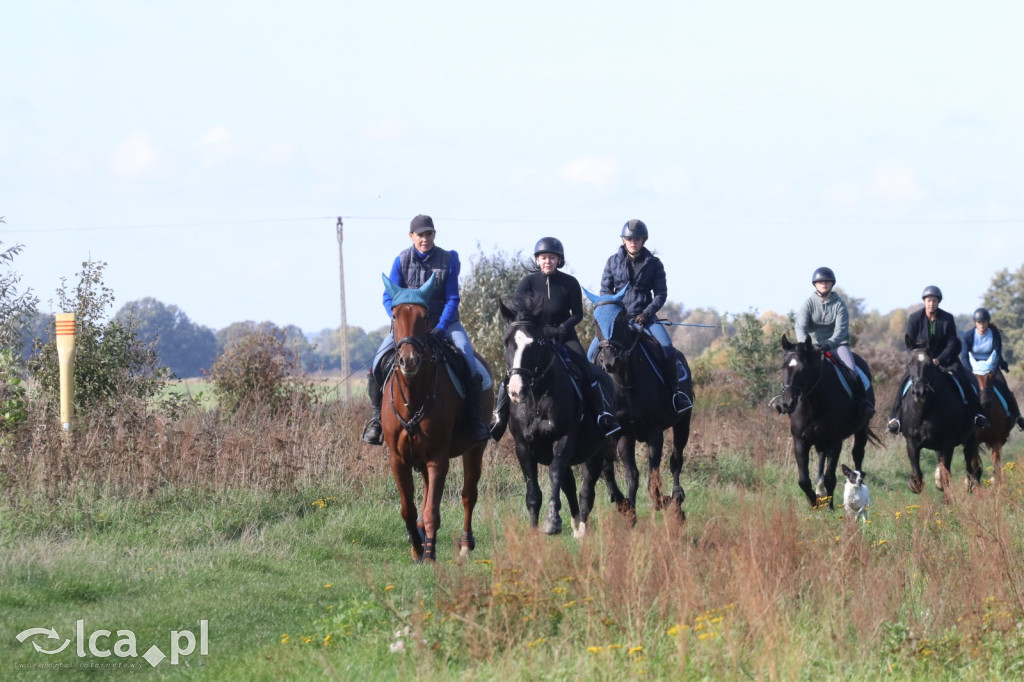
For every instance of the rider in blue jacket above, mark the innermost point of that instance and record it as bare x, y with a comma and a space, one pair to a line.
411, 269
635, 265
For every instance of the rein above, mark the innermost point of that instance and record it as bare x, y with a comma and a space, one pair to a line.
412, 425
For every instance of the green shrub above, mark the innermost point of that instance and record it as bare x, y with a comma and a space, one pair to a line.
259, 371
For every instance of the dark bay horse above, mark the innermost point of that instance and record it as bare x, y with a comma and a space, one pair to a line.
995, 408
423, 421
935, 417
633, 359
549, 421
822, 414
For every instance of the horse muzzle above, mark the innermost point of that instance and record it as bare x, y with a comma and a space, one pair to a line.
516, 388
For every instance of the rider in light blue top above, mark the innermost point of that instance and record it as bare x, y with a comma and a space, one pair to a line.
982, 353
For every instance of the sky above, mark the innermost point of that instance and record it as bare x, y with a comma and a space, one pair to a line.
204, 150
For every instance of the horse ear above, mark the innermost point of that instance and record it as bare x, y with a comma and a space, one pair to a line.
507, 313
620, 293
392, 288
786, 345
428, 287
808, 344
594, 298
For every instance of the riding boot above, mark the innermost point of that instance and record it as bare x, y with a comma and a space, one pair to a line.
606, 421
865, 407
478, 431
372, 429
500, 418
680, 401
973, 402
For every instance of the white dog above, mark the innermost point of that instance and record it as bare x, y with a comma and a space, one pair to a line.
855, 494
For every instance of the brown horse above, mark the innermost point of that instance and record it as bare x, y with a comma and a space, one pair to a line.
996, 435
424, 423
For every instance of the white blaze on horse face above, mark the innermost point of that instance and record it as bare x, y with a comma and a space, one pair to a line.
794, 362
922, 357
515, 382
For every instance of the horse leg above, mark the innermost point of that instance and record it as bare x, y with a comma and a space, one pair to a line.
819, 482
655, 446
557, 472
437, 472
680, 436
860, 440
801, 450
608, 474
572, 497
997, 462
916, 477
593, 469
831, 455
403, 479
627, 455
943, 463
528, 465
972, 462
472, 466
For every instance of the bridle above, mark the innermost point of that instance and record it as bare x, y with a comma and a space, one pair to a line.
420, 346
796, 392
619, 350
531, 377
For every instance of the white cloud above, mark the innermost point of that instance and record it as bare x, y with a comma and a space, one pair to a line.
216, 135
591, 170
135, 155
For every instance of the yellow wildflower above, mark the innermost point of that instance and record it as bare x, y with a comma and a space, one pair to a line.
285, 638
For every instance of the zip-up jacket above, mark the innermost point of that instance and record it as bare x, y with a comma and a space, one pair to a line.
645, 274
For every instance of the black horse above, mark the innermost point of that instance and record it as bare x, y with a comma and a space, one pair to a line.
549, 421
935, 416
633, 359
822, 414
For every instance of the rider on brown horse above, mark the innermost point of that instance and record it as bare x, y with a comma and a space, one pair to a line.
411, 269
982, 353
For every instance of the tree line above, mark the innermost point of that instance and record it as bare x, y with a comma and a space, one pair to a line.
746, 342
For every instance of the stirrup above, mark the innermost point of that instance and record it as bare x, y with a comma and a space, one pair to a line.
608, 424
372, 432
981, 421
681, 402
893, 426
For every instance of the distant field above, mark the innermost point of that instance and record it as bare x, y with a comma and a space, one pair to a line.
331, 386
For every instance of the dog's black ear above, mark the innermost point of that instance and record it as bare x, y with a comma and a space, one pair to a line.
847, 471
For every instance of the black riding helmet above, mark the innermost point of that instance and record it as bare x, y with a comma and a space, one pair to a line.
982, 315
823, 275
932, 290
634, 228
550, 245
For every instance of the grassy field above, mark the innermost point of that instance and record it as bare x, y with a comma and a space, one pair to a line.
285, 538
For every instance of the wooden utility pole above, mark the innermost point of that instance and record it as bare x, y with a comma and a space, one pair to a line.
344, 321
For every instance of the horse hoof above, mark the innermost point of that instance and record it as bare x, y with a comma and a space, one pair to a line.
938, 478
553, 526
579, 530
916, 486
466, 544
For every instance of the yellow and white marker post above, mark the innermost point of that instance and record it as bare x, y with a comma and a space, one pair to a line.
66, 360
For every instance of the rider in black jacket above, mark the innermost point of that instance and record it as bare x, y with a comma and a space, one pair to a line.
561, 311
937, 329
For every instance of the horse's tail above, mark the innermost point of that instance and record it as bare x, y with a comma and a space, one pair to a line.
873, 437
